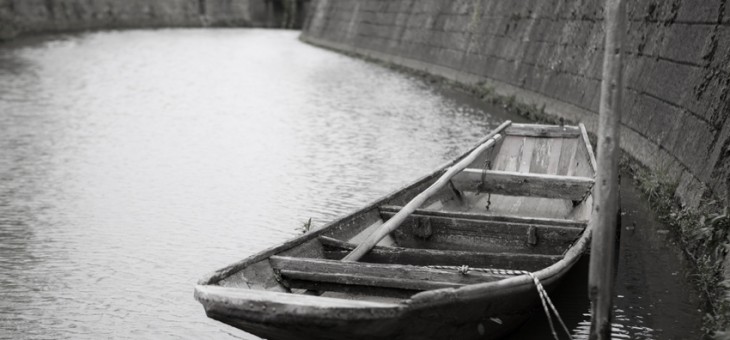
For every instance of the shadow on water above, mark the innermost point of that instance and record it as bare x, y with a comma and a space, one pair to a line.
653, 300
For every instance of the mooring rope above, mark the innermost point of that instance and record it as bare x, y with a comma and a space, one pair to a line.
544, 298
487, 166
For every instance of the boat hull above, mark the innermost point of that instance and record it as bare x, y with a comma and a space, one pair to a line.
535, 218
495, 315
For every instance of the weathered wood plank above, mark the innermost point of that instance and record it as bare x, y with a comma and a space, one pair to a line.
534, 130
445, 233
336, 249
567, 152
372, 274
554, 148
510, 161
495, 218
588, 147
526, 158
285, 301
508, 156
534, 185
541, 155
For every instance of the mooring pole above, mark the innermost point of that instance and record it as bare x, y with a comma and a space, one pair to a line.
727, 197
605, 207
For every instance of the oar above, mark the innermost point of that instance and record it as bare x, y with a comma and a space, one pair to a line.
395, 221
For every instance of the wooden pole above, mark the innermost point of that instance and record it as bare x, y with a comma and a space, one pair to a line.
395, 221
727, 197
605, 208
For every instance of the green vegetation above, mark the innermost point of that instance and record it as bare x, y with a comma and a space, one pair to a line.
702, 234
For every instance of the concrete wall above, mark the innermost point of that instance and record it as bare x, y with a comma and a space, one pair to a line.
550, 52
19, 17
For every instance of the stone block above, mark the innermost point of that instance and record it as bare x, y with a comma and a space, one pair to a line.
667, 80
474, 63
707, 93
629, 108
720, 57
639, 147
639, 115
702, 11
450, 58
653, 11
457, 23
718, 165
533, 52
689, 43
461, 7
635, 66
694, 143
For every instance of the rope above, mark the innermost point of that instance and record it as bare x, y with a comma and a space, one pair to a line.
482, 185
545, 302
544, 298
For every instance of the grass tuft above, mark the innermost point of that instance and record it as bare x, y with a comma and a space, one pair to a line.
702, 234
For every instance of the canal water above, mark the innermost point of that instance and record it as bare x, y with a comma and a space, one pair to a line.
133, 162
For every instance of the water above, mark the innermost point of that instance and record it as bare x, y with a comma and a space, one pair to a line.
133, 162
653, 298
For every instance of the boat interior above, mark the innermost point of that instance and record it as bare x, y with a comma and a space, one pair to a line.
519, 205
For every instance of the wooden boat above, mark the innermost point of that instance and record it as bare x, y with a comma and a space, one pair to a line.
520, 201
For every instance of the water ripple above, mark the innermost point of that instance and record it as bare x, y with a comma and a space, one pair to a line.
134, 162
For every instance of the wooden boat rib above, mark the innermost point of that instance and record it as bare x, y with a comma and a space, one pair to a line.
523, 204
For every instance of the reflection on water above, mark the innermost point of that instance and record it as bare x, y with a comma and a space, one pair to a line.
653, 300
133, 162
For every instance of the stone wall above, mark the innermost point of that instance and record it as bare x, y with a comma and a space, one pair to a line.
550, 52
19, 17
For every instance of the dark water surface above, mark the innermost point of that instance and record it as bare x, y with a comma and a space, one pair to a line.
133, 162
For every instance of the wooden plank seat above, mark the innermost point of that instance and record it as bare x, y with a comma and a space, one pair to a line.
335, 249
523, 184
372, 274
549, 131
452, 231
490, 217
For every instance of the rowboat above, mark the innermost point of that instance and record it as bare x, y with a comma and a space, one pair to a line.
457, 254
